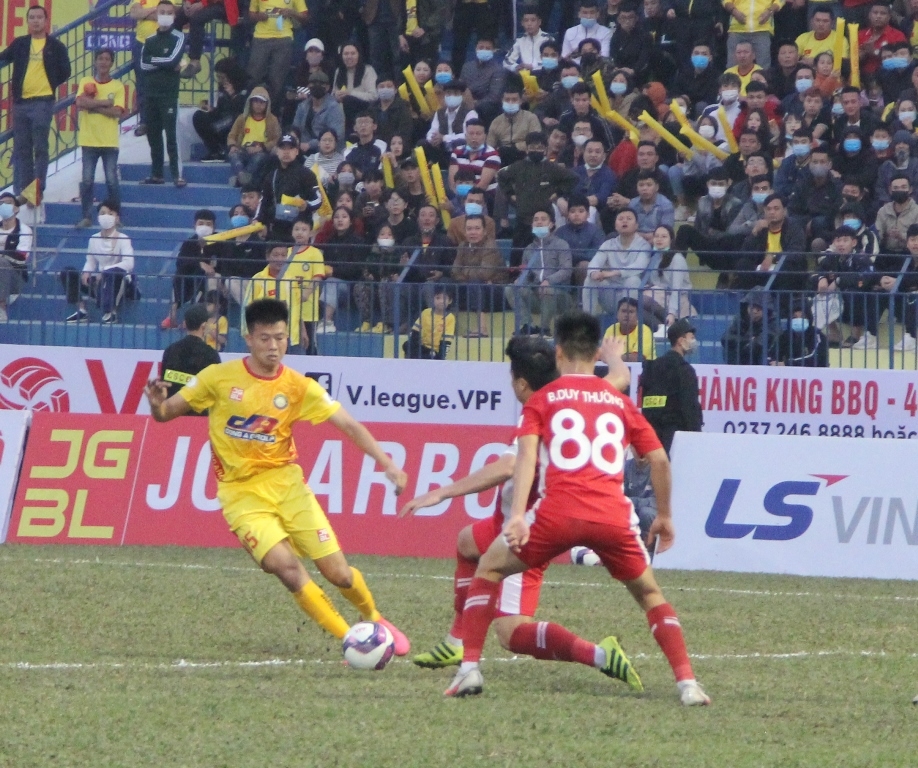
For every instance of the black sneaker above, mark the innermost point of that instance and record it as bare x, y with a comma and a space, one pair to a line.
77, 317
214, 157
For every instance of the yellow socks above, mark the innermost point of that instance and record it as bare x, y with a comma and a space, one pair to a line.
360, 597
319, 608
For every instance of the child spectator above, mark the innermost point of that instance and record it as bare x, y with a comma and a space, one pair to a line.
216, 326
252, 138
433, 331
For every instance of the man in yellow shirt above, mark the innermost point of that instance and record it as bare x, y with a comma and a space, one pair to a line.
101, 104
638, 338
820, 38
752, 21
40, 65
272, 43
744, 54
252, 406
274, 283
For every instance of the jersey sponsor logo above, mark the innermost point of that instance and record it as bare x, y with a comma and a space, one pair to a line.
236, 394
280, 401
254, 427
323, 535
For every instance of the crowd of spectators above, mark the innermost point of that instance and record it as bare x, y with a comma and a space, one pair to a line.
606, 142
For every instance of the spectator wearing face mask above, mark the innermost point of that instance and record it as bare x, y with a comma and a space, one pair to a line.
792, 167
390, 112
252, 139
15, 247
484, 77
708, 235
526, 52
697, 79
587, 27
474, 206
901, 164
558, 101
728, 98
895, 217
802, 345
447, 127
816, 197
509, 130
318, 113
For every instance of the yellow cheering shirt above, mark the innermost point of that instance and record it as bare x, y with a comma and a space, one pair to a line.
97, 130
265, 286
304, 266
270, 29
36, 82
251, 417
147, 27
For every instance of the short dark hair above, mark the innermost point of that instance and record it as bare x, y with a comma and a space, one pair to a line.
266, 312
374, 174
578, 200
474, 121
532, 359
531, 10
771, 198
646, 175
100, 51
364, 113
112, 205
580, 88
40, 8
630, 301
578, 334
475, 217
756, 87
205, 214
900, 176
195, 316
535, 137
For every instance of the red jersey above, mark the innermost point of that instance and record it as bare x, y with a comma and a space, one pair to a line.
584, 426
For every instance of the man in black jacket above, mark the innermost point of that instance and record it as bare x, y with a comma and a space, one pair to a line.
286, 176
186, 358
40, 65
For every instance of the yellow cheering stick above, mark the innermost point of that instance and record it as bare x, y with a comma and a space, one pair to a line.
388, 178
325, 209
838, 52
702, 144
601, 93
666, 135
853, 30
403, 92
432, 101
441, 193
728, 130
229, 234
676, 108
613, 117
416, 92
426, 181
530, 84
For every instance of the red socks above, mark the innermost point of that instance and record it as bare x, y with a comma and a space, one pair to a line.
477, 617
666, 630
465, 570
551, 642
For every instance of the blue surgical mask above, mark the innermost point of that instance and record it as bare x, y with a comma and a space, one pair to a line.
895, 63
570, 81
837, 109
852, 145
442, 78
618, 88
881, 145
700, 61
452, 101
510, 108
541, 232
855, 224
473, 209
800, 150
484, 55
799, 324
7, 210
804, 84
239, 220
549, 63
759, 197
463, 189
588, 23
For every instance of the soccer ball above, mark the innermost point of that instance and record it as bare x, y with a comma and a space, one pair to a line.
368, 645
584, 556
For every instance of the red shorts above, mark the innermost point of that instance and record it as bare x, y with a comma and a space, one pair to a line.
519, 593
619, 548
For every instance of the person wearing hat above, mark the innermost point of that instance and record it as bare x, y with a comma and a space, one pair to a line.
252, 138
752, 338
286, 177
272, 43
186, 358
447, 127
802, 344
319, 113
669, 387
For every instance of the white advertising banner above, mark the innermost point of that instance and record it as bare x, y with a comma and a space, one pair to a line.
806, 506
80, 380
13, 428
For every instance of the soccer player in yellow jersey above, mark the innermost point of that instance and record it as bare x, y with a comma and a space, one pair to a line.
253, 404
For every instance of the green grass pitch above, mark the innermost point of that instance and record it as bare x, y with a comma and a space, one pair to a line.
181, 657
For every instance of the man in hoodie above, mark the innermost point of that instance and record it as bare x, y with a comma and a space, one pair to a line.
753, 337
545, 279
252, 138
317, 114
285, 176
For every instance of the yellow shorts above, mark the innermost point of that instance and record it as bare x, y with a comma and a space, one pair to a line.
273, 506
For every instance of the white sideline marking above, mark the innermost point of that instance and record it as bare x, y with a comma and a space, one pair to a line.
185, 665
435, 577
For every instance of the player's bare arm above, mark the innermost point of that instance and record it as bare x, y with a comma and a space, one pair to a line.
483, 479
162, 407
611, 353
516, 529
661, 530
360, 436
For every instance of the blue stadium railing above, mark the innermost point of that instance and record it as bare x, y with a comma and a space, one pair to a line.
378, 314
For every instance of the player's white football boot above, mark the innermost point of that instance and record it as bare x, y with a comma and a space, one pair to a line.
469, 683
692, 695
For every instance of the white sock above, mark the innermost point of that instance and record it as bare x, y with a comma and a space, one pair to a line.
683, 684
467, 666
599, 657
456, 641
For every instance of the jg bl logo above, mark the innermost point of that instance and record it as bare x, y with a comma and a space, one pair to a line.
799, 516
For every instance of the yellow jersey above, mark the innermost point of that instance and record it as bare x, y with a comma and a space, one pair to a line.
773, 245
251, 418
213, 329
434, 328
265, 286
809, 47
254, 131
647, 346
94, 129
147, 27
276, 26
36, 81
744, 79
303, 266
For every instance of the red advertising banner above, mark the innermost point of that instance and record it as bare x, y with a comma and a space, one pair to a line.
121, 479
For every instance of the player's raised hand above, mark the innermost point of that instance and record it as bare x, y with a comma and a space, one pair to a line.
429, 499
157, 392
662, 533
613, 347
516, 533
397, 477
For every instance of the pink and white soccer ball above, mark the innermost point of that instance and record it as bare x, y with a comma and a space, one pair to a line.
368, 645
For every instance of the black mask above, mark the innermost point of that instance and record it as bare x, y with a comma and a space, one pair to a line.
536, 157
317, 91
850, 199
899, 196
589, 58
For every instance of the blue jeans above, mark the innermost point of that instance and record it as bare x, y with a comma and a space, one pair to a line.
91, 157
31, 124
241, 160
